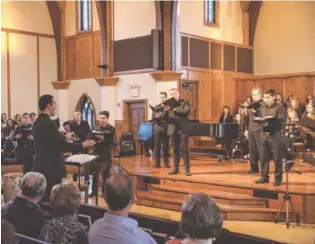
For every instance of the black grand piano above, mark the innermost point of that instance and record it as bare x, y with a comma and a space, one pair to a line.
228, 131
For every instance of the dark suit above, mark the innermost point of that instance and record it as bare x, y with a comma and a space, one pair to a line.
82, 130
49, 144
161, 138
103, 149
227, 142
178, 128
25, 148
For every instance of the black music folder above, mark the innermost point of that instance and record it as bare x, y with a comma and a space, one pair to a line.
255, 106
172, 103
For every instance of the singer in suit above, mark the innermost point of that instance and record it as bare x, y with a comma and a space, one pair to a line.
271, 139
103, 148
49, 143
25, 143
160, 135
178, 128
254, 130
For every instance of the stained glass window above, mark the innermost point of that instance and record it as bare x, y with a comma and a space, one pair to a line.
87, 111
210, 11
85, 16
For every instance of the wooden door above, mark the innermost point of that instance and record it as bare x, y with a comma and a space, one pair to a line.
136, 112
190, 92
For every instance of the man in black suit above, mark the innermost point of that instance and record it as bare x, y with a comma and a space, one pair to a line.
49, 143
25, 143
178, 128
103, 148
80, 128
160, 135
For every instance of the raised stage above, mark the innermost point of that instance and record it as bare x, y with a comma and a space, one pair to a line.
227, 182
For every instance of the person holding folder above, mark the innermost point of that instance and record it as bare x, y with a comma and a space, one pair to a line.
272, 118
178, 128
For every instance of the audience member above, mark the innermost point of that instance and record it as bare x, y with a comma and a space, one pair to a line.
7, 232
115, 227
226, 118
23, 211
64, 227
4, 120
32, 117
201, 220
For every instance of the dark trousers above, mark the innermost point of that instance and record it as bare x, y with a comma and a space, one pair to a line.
271, 145
180, 144
228, 147
161, 138
27, 159
103, 167
254, 140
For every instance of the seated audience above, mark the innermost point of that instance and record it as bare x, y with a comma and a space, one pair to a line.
7, 232
201, 220
64, 227
23, 211
4, 120
115, 227
308, 122
7, 132
294, 105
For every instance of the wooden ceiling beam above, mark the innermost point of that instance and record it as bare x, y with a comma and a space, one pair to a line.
245, 5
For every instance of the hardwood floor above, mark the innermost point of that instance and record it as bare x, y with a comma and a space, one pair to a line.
228, 183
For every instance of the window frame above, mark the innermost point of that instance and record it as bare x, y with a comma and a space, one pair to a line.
80, 107
78, 16
216, 23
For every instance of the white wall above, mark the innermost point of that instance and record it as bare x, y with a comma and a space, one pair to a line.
24, 49
285, 38
147, 90
77, 88
70, 18
30, 16
133, 18
230, 25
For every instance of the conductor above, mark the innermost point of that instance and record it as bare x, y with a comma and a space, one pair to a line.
49, 144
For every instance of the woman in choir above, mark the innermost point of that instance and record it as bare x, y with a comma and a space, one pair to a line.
17, 120
226, 118
308, 122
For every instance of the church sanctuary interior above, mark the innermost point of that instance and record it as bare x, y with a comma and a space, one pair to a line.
139, 121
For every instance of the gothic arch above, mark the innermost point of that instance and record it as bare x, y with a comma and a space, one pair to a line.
86, 107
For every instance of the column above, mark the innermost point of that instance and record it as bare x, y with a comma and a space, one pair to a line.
62, 100
166, 80
108, 95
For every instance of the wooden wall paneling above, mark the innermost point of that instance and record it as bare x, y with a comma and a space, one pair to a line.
244, 60
228, 58
119, 128
275, 83
216, 55
199, 50
242, 90
96, 54
166, 10
185, 50
204, 111
299, 86
216, 95
228, 94
84, 49
71, 58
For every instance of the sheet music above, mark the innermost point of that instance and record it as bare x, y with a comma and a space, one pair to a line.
80, 158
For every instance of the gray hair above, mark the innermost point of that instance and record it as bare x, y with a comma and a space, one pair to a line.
258, 89
33, 185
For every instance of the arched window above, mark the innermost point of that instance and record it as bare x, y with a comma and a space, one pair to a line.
84, 15
87, 110
211, 12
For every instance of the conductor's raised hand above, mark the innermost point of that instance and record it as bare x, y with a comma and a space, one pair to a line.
88, 143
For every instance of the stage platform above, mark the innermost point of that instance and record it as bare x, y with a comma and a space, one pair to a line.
227, 182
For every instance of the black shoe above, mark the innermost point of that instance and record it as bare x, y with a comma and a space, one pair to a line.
167, 166
262, 181
174, 172
156, 166
277, 183
252, 172
187, 173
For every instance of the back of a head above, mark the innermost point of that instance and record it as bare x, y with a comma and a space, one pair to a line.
201, 217
65, 199
44, 100
33, 185
118, 192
